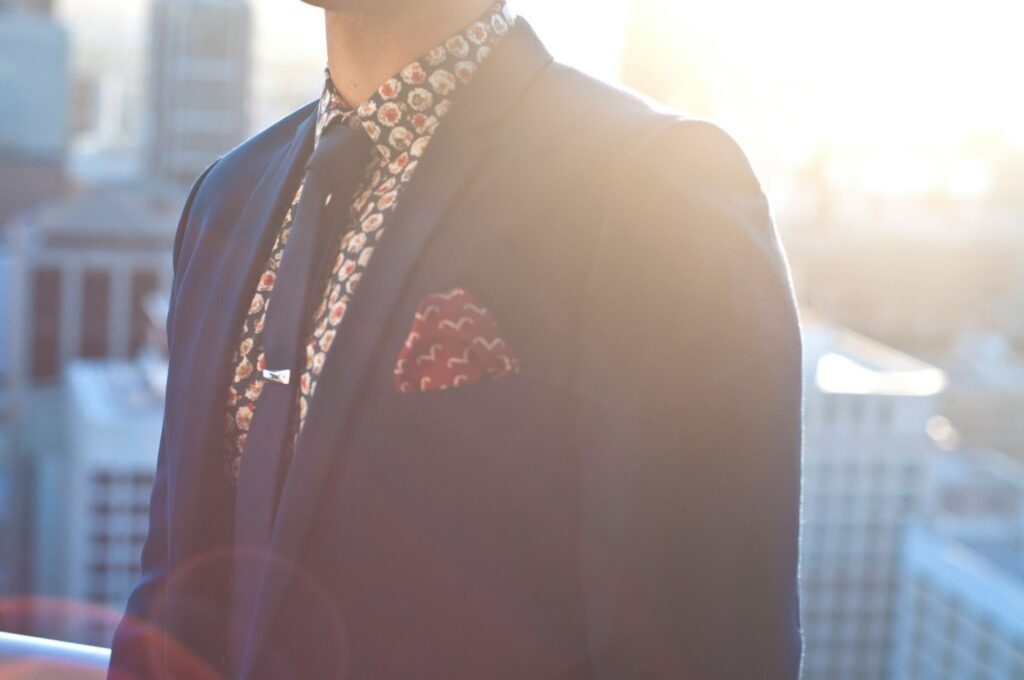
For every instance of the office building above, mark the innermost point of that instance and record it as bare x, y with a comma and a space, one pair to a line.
92, 514
867, 458
13, 566
77, 279
78, 273
961, 612
34, 120
986, 393
37, 6
199, 83
34, 83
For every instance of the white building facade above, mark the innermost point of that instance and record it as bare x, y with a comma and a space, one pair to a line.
962, 577
92, 525
867, 455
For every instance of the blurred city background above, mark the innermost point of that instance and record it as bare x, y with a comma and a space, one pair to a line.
889, 136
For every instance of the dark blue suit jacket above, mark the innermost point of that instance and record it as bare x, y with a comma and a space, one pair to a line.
626, 506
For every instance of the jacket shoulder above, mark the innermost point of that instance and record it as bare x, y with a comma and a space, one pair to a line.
225, 186
586, 116
610, 131
591, 110
243, 165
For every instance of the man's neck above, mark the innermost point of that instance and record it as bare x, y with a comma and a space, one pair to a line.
367, 46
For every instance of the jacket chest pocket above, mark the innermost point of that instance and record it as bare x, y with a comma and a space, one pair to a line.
493, 443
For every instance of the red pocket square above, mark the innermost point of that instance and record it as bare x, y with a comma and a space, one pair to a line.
454, 340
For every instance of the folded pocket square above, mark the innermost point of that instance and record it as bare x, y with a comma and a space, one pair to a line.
454, 340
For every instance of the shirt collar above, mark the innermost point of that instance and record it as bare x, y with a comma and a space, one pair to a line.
410, 104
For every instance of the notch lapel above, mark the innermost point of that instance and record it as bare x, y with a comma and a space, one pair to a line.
237, 264
454, 153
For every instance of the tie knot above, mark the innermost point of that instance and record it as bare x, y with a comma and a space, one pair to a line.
340, 156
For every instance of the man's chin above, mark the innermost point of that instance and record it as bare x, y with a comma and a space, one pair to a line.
343, 5
331, 4
374, 6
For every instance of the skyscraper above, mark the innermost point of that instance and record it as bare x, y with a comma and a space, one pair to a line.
867, 459
986, 392
34, 78
92, 509
198, 84
77, 275
34, 104
38, 6
961, 612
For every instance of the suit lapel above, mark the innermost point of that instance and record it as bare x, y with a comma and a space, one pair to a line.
237, 264
454, 154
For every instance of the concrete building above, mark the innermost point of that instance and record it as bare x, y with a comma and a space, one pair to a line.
199, 83
867, 458
985, 398
38, 6
13, 565
962, 577
92, 512
34, 108
34, 122
78, 273
34, 83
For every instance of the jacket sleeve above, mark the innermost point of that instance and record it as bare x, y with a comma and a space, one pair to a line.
687, 389
137, 647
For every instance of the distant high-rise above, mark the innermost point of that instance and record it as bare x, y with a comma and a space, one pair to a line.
867, 459
986, 392
198, 85
77, 279
961, 612
92, 508
77, 275
34, 105
40, 6
34, 84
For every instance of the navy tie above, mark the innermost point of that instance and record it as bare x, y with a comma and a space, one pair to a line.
332, 174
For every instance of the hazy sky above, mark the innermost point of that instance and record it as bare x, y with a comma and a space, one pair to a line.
912, 84
876, 68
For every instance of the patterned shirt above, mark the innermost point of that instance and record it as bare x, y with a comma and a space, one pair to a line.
400, 118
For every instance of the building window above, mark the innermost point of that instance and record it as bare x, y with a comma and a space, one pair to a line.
144, 282
95, 313
829, 412
885, 414
46, 323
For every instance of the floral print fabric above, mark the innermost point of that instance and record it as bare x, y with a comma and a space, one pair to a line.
400, 118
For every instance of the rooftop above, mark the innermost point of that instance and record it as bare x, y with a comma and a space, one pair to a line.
140, 214
845, 362
112, 390
986, 360
989, 574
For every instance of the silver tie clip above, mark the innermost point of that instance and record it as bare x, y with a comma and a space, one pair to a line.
283, 376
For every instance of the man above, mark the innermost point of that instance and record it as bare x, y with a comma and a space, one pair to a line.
479, 368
